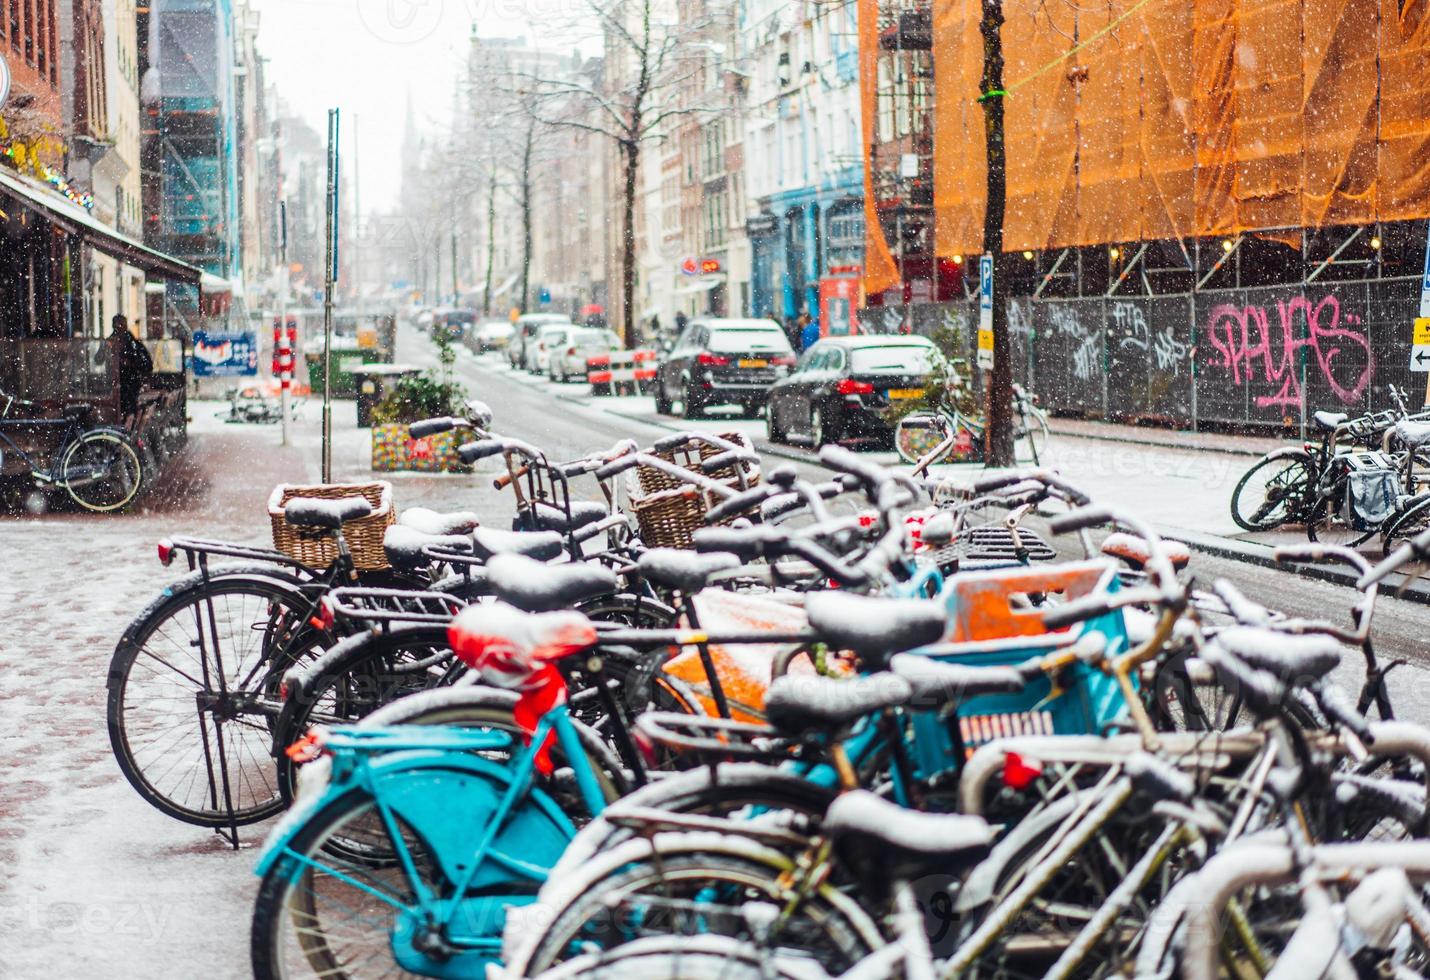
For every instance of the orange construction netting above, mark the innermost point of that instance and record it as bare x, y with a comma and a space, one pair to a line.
1170, 119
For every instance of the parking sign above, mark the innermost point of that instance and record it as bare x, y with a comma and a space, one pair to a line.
985, 312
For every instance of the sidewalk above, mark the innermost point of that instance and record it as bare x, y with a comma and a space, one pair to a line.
1242, 445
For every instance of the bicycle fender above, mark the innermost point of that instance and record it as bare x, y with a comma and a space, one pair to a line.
1286, 452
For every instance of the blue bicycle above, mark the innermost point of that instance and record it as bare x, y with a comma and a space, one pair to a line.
97, 465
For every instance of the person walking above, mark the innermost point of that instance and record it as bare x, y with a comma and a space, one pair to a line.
132, 365
808, 331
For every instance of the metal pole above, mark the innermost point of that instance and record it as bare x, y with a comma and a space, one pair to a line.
331, 242
283, 383
357, 222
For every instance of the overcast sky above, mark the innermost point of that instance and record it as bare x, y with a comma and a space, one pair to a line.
364, 56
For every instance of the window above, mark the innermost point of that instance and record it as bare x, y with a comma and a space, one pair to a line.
893, 359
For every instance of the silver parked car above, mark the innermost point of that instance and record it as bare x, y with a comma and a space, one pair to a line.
568, 361
521, 350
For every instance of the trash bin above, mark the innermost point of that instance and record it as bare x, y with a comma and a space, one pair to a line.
373, 382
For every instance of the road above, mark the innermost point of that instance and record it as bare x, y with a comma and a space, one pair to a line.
97, 884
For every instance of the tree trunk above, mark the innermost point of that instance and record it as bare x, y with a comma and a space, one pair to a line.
491, 239
999, 434
526, 216
630, 154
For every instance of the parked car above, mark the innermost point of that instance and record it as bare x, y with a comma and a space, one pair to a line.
453, 324
522, 348
722, 361
568, 360
489, 335
843, 386
548, 338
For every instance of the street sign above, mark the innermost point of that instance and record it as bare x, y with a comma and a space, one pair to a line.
985, 312
1422, 330
224, 355
1425, 279
1420, 358
4, 81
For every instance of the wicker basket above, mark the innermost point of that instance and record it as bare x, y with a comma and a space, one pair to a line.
690, 457
668, 511
319, 550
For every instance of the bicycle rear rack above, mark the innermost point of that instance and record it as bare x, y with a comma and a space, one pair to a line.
384, 607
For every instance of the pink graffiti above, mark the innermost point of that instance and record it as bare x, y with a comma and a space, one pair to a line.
1247, 344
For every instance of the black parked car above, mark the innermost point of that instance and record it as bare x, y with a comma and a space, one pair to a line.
720, 361
843, 385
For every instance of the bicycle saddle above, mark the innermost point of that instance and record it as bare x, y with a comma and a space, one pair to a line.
684, 571
1329, 420
435, 522
404, 546
1290, 658
310, 512
884, 841
801, 704
537, 587
936, 682
1413, 434
549, 517
873, 626
540, 545
1133, 550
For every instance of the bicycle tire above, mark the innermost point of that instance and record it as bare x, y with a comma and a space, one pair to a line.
1405, 525
1035, 434
1325, 526
255, 676
669, 958
570, 929
360, 674
107, 451
1257, 513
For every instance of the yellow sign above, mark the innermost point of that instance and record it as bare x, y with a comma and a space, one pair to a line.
1422, 330
985, 340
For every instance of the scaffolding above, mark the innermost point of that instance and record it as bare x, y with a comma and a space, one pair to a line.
188, 152
901, 146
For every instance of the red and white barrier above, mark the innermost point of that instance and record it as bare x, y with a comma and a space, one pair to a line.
285, 342
618, 369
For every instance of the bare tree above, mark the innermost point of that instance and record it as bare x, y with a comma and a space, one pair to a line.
648, 65
999, 448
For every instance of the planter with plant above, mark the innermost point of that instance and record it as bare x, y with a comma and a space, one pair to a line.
411, 399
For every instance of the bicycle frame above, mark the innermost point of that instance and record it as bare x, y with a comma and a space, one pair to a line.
394, 767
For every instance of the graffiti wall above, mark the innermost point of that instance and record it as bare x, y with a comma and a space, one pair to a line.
1255, 356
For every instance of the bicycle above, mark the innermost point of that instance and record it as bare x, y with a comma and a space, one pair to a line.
924, 438
99, 466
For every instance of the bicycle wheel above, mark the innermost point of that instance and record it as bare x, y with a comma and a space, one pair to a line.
696, 894
355, 678
194, 691
1030, 443
1325, 526
329, 918
671, 958
101, 471
1273, 492
1410, 522
918, 433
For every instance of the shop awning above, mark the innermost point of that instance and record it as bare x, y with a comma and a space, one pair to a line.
77, 221
701, 285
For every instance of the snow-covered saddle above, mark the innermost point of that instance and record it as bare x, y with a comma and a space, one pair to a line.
538, 587
875, 627
311, 512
